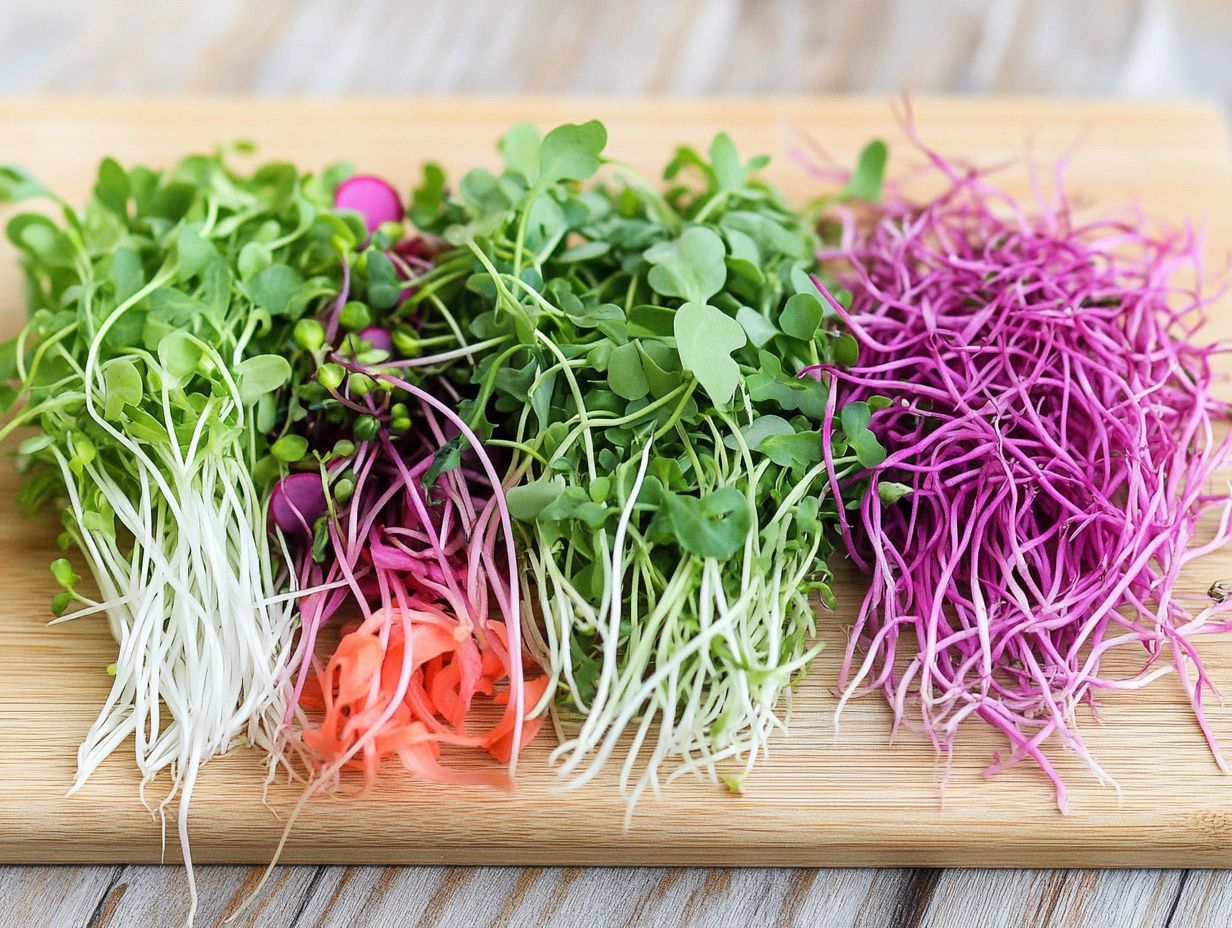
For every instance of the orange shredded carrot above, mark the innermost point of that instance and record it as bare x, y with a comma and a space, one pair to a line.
368, 714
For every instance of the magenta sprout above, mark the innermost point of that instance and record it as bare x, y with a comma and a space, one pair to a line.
1054, 419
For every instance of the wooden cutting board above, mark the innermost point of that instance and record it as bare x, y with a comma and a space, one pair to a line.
856, 800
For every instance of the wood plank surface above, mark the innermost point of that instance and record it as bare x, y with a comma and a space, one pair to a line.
399, 47
854, 801
577, 897
450, 897
1056, 898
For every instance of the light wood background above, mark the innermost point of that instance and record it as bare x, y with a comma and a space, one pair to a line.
639, 46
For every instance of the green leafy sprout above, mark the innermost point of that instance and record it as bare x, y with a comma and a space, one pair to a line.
150, 366
633, 348
637, 352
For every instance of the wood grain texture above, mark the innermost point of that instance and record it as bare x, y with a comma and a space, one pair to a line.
576, 897
853, 802
36, 895
1205, 898
451, 897
1056, 898
1153, 47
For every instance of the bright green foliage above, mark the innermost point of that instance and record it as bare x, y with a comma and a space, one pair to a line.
638, 352
635, 351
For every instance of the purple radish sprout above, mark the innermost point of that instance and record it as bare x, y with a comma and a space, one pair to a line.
398, 551
335, 311
1056, 428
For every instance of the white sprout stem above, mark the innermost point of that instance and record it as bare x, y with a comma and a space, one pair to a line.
669, 699
195, 609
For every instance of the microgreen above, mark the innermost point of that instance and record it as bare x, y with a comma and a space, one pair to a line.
1055, 432
159, 315
866, 180
637, 352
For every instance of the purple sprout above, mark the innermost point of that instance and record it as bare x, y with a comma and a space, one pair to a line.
1055, 422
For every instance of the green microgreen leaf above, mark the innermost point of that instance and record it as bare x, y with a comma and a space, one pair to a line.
690, 268
290, 448
112, 188
519, 149
448, 457
384, 286
891, 492
64, 574
758, 328
855, 418
571, 152
648, 321
254, 258
714, 525
705, 338
193, 253
35, 444
797, 450
866, 179
801, 316
16, 184
123, 386
428, 198
180, 354
277, 288
728, 171
262, 375
846, 350
625, 374
760, 428
528, 500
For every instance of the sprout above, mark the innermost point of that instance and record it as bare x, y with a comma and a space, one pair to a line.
1051, 439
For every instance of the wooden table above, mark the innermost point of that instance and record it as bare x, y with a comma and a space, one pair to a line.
512, 897
126, 46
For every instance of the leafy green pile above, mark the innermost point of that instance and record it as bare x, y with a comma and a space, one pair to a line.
637, 354
629, 355
160, 314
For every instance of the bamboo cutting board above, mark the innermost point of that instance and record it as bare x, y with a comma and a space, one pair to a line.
819, 800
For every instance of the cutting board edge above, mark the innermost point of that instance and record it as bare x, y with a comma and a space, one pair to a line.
1003, 844
991, 856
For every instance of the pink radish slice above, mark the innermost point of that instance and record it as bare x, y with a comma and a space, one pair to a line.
370, 196
297, 501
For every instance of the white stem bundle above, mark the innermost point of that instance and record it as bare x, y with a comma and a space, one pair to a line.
191, 598
695, 680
